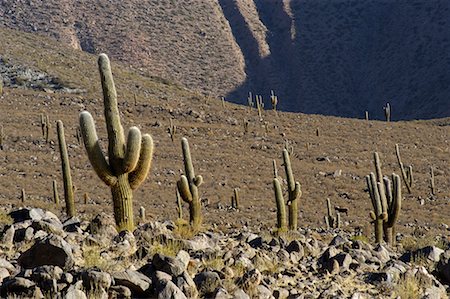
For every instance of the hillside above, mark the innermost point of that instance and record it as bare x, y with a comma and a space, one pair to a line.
331, 165
324, 57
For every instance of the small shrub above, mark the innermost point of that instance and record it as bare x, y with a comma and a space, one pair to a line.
407, 288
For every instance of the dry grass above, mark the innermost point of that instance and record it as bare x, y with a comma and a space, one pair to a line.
5, 219
408, 287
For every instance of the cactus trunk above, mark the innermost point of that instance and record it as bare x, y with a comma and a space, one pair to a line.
123, 203
281, 209
67, 178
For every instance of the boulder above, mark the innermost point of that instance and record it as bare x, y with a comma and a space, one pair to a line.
135, 281
170, 265
52, 250
207, 282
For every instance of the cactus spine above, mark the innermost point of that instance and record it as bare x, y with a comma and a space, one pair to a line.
294, 191
281, 208
406, 172
386, 200
188, 186
128, 162
67, 178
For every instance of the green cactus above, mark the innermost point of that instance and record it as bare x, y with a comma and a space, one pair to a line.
294, 192
179, 205
406, 172
67, 178
281, 208
387, 112
128, 162
386, 200
235, 199
188, 186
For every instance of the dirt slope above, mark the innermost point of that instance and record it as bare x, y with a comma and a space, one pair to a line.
331, 165
328, 57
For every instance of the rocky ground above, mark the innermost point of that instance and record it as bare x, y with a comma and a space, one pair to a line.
43, 256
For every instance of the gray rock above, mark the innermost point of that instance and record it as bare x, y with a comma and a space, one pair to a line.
7, 265
187, 285
295, 246
263, 292
119, 292
52, 250
96, 280
4, 273
75, 291
7, 240
207, 282
240, 294
135, 281
33, 214
46, 273
170, 265
281, 293
171, 291
250, 280
381, 253
443, 267
17, 286
184, 257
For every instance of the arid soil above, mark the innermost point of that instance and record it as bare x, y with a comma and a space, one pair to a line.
331, 156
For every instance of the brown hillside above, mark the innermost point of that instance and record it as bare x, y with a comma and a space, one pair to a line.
225, 156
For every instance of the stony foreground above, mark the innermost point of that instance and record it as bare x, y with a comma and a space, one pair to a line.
42, 257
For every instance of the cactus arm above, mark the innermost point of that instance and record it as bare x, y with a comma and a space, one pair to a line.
375, 196
93, 149
396, 205
133, 150
406, 178
138, 175
288, 169
377, 163
116, 137
388, 188
383, 199
281, 208
183, 189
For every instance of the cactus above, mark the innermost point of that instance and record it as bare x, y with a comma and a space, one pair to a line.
367, 115
142, 214
188, 186
250, 101
235, 199
67, 178
281, 208
273, 100
172, 130
294, 192
330, 221
179, 205
23, 195
1, 85
386, 200
432, 185
387, 112
2, 137
406, 172
260, 106
128, 162
55, 193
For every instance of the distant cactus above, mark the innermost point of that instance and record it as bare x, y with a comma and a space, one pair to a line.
172, 130
179, 205
235, 199
367, 115
250, 101
2, 137
387, 112
330, 220
1, 85
128, 162
407, 173
188, 186
67, 178
386, 200
432, 185
274, 101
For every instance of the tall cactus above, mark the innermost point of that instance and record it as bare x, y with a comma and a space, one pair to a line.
188, 186
281, 208
128, 162
67, 178
407, 174
294, 191
386, 200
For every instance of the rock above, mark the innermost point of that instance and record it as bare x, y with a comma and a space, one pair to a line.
431, 253
119, 292
240, 294
135, 281
263, 292
170, 265
381, 253
103, 228
7, 240
250, 280
207, 282
164, 286
295, 246
256, 242
74, 291
4, 273
52, 250
34, 215
338, 241
184, 257
46, 278
72, 225
187, 285
443, 267
7, 265
281, 293
96, 280
17, 286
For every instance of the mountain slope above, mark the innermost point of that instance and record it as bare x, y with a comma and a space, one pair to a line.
328, 57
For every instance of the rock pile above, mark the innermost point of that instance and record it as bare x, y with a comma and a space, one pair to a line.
43, 257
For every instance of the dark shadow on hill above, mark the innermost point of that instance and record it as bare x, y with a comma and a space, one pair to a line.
344, 58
